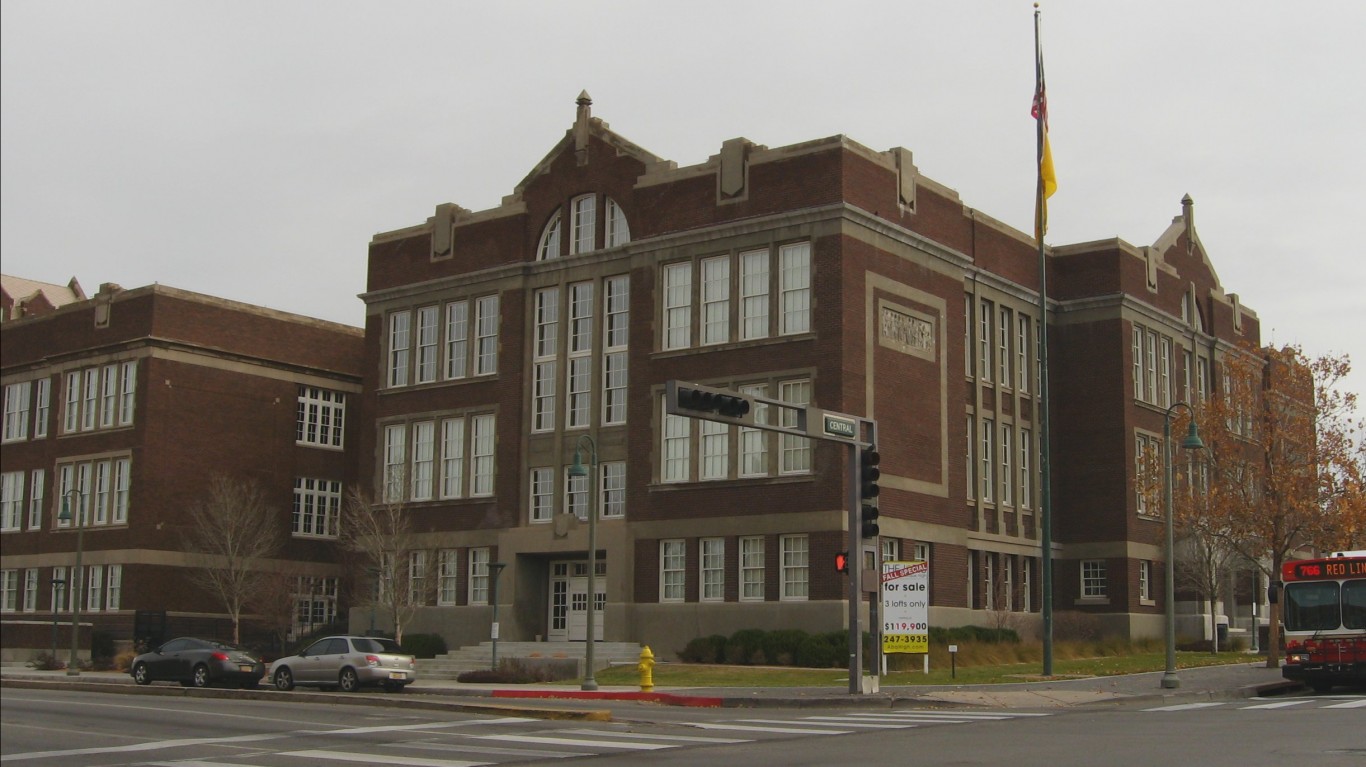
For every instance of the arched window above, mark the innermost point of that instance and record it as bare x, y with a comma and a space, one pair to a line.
550, 240
618, 231
585, 212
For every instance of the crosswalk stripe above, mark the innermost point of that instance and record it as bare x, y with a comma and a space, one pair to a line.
780, 730
400, 761
573, 742
648, 736
1279, 704
845, 721
1349, 704
1184, 707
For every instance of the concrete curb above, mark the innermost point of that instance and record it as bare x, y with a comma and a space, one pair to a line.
392, 700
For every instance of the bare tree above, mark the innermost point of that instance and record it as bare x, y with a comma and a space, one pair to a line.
276, 603
381, 533
1203, 561
231, 532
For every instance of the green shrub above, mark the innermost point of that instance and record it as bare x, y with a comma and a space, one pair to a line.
708, 649
745, 648
780, 646
424, 645
817, 651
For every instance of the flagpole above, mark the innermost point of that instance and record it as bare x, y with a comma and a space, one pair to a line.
1045, 464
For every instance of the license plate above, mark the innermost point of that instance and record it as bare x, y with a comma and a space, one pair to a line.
246, 667
398, 675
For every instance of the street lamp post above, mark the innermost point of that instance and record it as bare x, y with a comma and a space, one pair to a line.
495, 569
590, 681
71, 513
1191, 442
58, 591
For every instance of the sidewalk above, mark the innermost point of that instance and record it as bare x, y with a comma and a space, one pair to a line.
1211, 682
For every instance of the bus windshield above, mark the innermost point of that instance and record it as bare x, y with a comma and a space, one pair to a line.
1354, 604
1312, 606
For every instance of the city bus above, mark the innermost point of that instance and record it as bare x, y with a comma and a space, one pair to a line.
1325, 620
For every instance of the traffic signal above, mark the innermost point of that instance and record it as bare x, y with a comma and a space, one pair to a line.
868, 525
730, 405
842, 561
869, 474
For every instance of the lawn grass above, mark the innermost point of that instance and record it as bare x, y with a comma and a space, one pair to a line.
705, 675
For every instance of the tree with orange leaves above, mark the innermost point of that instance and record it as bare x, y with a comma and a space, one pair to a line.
1283, 466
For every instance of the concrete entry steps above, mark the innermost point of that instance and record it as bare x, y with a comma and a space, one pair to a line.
480, 656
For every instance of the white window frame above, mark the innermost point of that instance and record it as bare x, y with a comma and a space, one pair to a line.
549, 246
1007, 476
452, 458
1093, 579
794, 288
113, 587
676, 464
715, 300
1145, 580
448, 577
417, 577
1026, 478
794, 453
713, 450
322, 418
986, 364
30, 589
672, 570
422, 474
9, 591
457, 339
618, 230
584, 215
483, 431
1004, 358
616, 327
317, 508
754, 442
1023, 322
612, 493
711, 561
542, 494
971, 468
11, 501
751, 564
478, 565
16, 411
677, 306
754, 294
486, 320
395, 458
400, 325
576, 495
794, 556
36, 487
428, 361
988, 460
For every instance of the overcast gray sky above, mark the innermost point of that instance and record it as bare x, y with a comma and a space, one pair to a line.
250, 149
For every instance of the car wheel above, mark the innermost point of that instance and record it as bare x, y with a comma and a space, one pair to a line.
201, 676
348, 681
140, 674
284, 680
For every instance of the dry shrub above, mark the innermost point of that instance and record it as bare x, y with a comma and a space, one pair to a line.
124, 660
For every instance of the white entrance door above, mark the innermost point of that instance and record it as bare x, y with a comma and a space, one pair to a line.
569, 601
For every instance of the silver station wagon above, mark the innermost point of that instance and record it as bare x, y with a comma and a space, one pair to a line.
347, 663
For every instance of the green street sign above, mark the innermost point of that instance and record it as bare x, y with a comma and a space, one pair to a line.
840, 427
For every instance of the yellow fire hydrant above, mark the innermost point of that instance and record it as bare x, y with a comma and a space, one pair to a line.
646, 667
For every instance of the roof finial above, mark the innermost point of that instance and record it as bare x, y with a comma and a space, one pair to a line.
581, 128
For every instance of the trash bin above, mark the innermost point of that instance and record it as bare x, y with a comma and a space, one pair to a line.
1222, 633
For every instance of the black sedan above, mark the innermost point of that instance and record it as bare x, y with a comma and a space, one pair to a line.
198, 663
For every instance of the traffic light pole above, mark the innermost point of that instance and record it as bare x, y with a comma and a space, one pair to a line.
726, 406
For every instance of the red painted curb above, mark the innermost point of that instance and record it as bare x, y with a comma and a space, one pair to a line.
692, 701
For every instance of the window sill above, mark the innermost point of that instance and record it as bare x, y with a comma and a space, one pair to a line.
1092, 601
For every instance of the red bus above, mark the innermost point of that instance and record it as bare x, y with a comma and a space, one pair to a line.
1324, 604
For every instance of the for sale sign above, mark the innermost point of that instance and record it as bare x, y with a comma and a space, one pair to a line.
906, 606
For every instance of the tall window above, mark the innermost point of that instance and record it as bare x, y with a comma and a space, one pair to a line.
794, 288
448, 573
618, 231
395, 461
1022, 352
715, 450
794, 553
417, 577
16, 411
424, 460
1147, 468
481, 468
1145, 580
984, 341
486, 335
576, 495
1007, 476
11, 500
317, 507
399, 323
31, 590
549, 246
9, 590
1164, 372
795, 452
452, 458
544, 359
616, 337
971, 470
713, 569
1003, 355
754, 300
479, 576
580, 355
672, 561
752, 569
457, 339
716, 300
677, 448
542, 494
988, 460
613, 491
968, 354
1026, 479
427, 350
94, 589
584, 222
103, 486
322, 417
677, 305
96, 397
37, 484
754, 442
1093, 578
113, 597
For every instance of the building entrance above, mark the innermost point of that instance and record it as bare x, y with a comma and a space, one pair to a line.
569, 601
